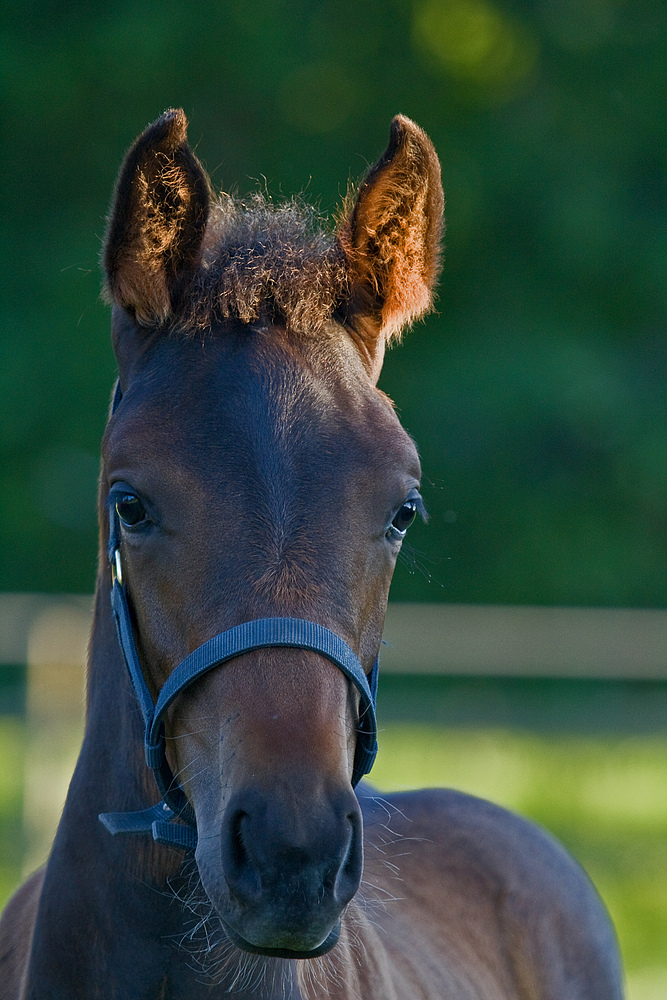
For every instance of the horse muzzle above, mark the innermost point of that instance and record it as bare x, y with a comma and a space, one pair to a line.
286, 870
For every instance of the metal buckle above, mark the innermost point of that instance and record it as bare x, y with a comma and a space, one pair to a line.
116, 568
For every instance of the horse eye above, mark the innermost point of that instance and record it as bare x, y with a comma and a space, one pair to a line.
130, 510
403, 519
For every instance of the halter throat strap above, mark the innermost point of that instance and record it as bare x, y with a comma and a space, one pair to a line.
172, 821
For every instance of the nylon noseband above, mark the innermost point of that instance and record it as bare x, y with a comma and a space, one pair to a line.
161, 820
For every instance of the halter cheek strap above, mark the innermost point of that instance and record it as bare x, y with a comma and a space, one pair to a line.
172, 821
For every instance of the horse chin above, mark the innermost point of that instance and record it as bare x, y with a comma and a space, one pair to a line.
329, 942
278, 931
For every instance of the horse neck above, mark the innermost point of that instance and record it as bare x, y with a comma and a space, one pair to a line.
111, 773
113, 741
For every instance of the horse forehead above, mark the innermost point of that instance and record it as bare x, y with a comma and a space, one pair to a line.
224, 400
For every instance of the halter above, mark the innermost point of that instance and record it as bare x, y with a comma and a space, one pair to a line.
172, 820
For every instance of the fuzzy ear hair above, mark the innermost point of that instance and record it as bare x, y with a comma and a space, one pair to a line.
391, 240
157, 221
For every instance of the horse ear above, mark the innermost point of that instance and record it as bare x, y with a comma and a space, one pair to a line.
391, 239
157, 221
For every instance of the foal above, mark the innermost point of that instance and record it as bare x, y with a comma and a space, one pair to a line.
255, 489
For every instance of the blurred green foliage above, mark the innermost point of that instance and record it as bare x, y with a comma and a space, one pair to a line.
537, 393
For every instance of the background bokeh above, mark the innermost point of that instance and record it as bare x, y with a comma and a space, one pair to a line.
536, 393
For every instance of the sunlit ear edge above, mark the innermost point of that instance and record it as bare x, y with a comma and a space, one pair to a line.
391, 237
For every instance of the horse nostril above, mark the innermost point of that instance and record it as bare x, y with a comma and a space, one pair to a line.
240, 873
237, 852
348, 875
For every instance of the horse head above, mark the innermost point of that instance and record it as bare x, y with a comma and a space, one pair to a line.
252, 470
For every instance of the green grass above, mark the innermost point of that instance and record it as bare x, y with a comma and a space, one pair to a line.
12, 755
606, 799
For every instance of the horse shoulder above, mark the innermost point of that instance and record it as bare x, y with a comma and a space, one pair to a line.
476, 878
16, 931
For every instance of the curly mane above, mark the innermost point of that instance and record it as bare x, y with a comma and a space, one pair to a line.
266, 260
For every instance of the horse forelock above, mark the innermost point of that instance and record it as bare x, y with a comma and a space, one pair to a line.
266, 261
